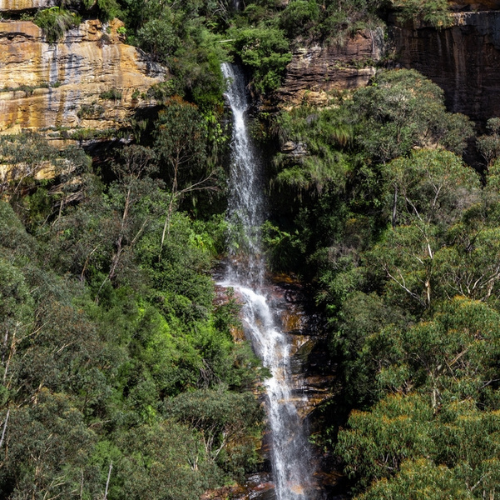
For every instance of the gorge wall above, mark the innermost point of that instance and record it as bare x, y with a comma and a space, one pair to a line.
88, 80
317, 69
463, 59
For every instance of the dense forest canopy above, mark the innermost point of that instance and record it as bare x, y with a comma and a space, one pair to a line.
120, 375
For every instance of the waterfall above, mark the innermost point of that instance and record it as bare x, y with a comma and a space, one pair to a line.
292, 470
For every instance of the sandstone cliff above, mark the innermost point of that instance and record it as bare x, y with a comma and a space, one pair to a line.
316, 70
464, 60
20, 5
89, 80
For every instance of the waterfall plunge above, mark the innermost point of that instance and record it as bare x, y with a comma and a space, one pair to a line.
290, 453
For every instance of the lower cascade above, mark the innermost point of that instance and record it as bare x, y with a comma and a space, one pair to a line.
291, 459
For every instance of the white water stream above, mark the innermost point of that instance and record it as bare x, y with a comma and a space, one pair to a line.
292, 470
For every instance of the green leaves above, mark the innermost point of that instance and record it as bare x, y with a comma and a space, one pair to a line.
266, 51
433, 12
430, 185
402, 110
97, 332
224, 420
55, 22
413, 452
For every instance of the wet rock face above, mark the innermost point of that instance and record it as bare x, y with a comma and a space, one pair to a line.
91, 79
464, 60
318, 69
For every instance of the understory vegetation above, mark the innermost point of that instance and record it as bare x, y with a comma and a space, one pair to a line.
120, 375
401, 240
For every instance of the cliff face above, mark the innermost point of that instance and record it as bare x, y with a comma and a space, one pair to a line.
19, 5
91, 79
464, 60
316, 70
474, 5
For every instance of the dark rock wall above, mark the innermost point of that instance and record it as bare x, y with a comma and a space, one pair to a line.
464, 60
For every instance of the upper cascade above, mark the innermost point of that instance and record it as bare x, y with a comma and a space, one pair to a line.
292, 470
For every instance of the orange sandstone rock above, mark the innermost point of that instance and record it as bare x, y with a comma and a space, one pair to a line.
316, 70
45, 86
15, 5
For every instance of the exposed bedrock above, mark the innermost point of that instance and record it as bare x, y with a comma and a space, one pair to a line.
91, 79
20, 5
318, 69
464, 60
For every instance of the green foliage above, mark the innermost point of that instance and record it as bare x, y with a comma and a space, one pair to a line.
111, 95
456, 447
434, 12
90, 111
399, 238
420, 480
332, 20
403, 109
177, 36
434, 186
221, 418
317, 160
106, 345
55, 22
53, 434
164, 461
266, 51
106, 9
299, 17
489, 145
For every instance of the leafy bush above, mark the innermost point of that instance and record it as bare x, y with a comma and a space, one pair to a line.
267, 52
434, 12
55, 22
90, 111
299, 17
107, 9
111, 94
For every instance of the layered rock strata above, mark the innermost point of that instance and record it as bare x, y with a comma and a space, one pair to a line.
90, 80
464, 60
474, 5
316, 70
20, 5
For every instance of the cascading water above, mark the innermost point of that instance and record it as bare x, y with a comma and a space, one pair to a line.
290, 453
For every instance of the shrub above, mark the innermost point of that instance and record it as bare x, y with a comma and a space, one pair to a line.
267, 52
90, 111
55, 22
112, 94
107, 9
434, 12
299, 17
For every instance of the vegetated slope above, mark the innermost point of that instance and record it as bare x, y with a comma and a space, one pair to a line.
120, 375
115, 360
400, 238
